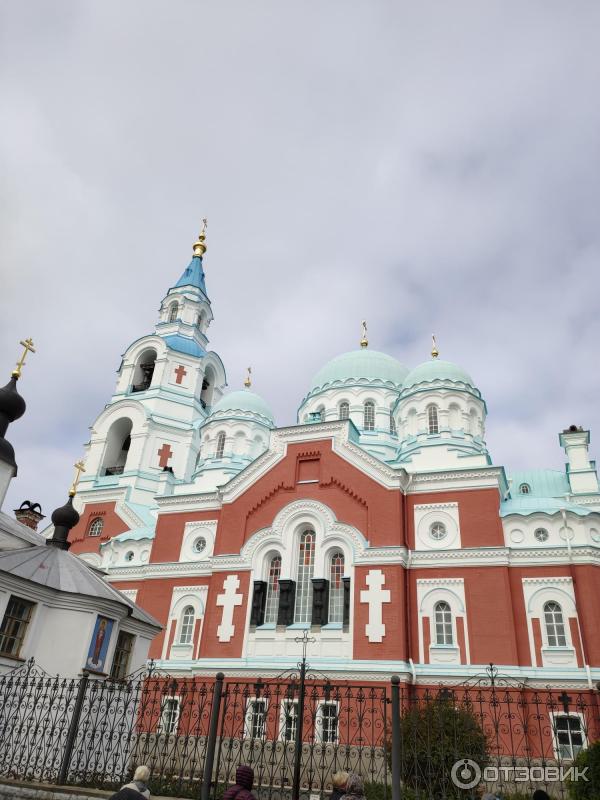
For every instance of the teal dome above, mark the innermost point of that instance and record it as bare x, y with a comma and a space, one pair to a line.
243, 400
437, 370
364, 364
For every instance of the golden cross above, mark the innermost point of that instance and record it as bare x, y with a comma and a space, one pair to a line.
364, 341
79, 468
29, 348
434, 349
204, 224
248, 381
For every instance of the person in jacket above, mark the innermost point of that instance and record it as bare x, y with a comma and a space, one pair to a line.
244, 779
137, 789
355, 788
339, 781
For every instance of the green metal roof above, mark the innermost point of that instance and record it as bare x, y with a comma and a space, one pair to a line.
360, 365
243, 400
437, 370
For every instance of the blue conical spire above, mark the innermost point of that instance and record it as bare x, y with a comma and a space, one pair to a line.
193, 275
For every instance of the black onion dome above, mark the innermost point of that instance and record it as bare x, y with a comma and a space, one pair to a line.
65, 516
7, 453
12, 405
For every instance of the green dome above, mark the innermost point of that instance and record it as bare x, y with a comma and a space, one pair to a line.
243, 400
364, 364
437, 370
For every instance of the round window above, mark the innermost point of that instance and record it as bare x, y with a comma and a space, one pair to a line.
129, 555
199, 544
541, 534
438, 531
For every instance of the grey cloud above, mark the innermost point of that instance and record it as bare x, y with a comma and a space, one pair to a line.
430, 168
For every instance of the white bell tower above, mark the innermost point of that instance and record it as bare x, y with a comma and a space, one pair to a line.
146, 439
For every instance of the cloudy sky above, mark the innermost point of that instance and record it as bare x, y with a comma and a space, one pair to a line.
426, 166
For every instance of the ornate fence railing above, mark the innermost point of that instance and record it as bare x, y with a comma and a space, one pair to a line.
296, 731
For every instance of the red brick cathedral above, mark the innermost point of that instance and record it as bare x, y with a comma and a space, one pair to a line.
378, 521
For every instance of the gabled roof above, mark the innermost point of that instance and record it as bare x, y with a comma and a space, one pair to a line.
61, 571
10, 527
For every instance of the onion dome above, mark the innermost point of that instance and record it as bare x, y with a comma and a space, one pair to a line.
12, 406
63, 519
243, 402
437, 370
362, 366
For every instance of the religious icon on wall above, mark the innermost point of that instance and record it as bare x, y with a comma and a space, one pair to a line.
99, 644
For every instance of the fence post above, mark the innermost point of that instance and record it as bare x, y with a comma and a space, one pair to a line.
299, 731
212, 737
63, 772
396, 744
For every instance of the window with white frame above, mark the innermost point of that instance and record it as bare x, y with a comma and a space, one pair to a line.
272, 597
327, 722
304, 589
393, 429
369, 416
438, 531
288, 720
336, 588
186, 628
555, 624
256, 718
169, 715
524, 488
569, 736
173, 311
432, 420
344, 410
220, 445
541, 534
96, 526
443, 623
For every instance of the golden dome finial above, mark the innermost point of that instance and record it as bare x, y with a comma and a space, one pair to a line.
200, 243
364, 342
248, 381
79, 468
434, 350
28, 348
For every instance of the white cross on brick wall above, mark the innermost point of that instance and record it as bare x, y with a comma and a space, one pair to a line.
229, 599
375, 596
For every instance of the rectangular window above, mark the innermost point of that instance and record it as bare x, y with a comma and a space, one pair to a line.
120, 664
14, 626
327, 722
569, 737
256, 718
169, 715
288, 720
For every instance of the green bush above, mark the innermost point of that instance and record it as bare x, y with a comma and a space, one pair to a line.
434, 735
378, 791
590, 789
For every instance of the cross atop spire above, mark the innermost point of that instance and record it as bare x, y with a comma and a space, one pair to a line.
200, 243
248, 381
29, 348
434, 349
79, 468
364, 342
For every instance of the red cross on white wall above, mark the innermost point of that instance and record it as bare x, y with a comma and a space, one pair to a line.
164, 454
180, 373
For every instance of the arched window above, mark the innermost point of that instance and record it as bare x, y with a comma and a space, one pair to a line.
272, 598
321, 413
199, 321
96, 526
555, 625
336, 588
220, 445
186, 629
344, 410
143, 372
173, 311
118, 442
443, 623
304, 588
393, 429
369, 416
208, 387
432, 419
524, 488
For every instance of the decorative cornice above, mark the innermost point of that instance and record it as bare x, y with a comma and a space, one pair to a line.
173, 503
163, 570
434, 506
446, 476
548, 581
440, 582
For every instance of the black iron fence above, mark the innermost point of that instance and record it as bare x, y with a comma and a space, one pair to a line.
296, 731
